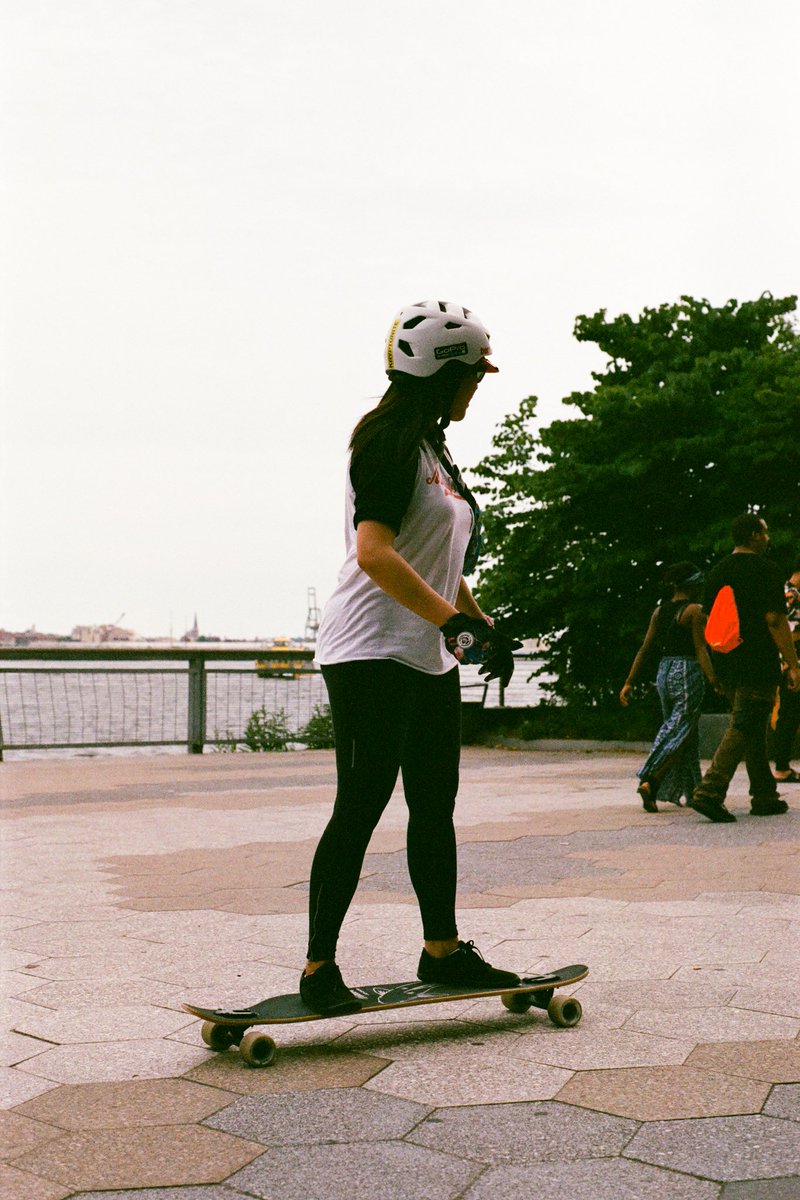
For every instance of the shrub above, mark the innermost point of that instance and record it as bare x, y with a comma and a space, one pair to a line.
268, 730
227, 744
318, 733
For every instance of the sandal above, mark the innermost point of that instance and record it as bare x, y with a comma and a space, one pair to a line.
792, 777
648, 799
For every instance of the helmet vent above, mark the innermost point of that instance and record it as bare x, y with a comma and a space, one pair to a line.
453, 325
404, 346
413, 322
442, 305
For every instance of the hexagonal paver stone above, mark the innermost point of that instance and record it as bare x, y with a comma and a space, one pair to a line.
14, 1185
102, 1024
215, 1191
716, 1025
776, 1061
585, 1049
298, 1069
473, 1077
598, 1179
781, 998
764, 1189
109, 1062
125, 1105
511, 1133
329, 1115
128, 1158
18, 1134
723, 1148
784, 1102
664, 1093
394, 1169
17, 1085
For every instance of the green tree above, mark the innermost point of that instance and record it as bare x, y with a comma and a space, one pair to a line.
695, 418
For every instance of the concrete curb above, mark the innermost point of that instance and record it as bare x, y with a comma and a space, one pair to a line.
572, 745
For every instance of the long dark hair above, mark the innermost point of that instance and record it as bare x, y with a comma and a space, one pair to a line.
414, 410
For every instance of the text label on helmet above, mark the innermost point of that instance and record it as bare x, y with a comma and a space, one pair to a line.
390, 346
460, 348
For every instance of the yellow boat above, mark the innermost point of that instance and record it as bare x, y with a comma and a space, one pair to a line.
285, 659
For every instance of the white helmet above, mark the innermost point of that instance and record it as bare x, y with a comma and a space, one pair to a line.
425, 336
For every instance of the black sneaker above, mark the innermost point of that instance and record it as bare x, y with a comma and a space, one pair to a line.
325, 992
715, 810
465, 966
770, 806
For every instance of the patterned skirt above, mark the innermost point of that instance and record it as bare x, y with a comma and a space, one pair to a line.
672, 767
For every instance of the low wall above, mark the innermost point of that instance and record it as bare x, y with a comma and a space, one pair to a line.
550, 724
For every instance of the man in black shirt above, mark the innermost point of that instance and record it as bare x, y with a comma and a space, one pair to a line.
749, 674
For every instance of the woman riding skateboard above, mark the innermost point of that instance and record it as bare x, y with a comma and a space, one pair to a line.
400, 615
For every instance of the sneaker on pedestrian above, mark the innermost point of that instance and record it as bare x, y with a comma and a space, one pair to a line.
715, 810
465, 967
325, 992
769, 806
647, 793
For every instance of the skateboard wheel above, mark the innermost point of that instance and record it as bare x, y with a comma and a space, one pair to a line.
219, 1037
257, 1049
517, 1002
564, 1011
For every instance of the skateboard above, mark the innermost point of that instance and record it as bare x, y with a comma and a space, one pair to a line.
222, 1029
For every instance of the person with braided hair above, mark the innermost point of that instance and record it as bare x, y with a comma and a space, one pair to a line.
400, 619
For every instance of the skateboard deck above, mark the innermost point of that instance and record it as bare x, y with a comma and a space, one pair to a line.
224, 1028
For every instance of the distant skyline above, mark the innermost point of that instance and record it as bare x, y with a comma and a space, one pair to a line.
212, 209
191, 631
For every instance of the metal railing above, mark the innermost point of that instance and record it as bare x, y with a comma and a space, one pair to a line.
81, 697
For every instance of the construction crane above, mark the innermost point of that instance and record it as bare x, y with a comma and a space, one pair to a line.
312, 616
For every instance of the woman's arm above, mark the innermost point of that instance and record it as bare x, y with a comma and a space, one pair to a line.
781, 634
649, 637
378, 558
694, 613
466, 603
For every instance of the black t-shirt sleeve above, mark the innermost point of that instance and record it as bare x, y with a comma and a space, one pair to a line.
383, 483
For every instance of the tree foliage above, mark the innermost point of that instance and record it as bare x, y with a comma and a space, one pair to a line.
694, 419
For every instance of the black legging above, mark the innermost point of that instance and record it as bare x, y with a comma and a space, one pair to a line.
389, 717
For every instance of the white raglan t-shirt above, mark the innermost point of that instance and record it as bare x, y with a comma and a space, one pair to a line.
433, 530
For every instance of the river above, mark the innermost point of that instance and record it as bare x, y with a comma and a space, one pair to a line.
46, 703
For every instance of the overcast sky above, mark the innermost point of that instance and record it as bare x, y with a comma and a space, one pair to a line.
211, 210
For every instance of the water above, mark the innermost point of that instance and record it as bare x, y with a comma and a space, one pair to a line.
145, 704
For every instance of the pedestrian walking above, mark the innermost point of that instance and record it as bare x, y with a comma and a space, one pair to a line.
750, 673
400, 619
788, 720
671, 770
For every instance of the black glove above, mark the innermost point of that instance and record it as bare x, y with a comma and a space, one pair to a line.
472, 640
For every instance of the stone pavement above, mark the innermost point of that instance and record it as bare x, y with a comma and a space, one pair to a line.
135, 883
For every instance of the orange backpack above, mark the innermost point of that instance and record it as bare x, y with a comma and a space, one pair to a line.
722, 626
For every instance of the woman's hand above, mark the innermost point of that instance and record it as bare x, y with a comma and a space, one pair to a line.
625, 695
473, 640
